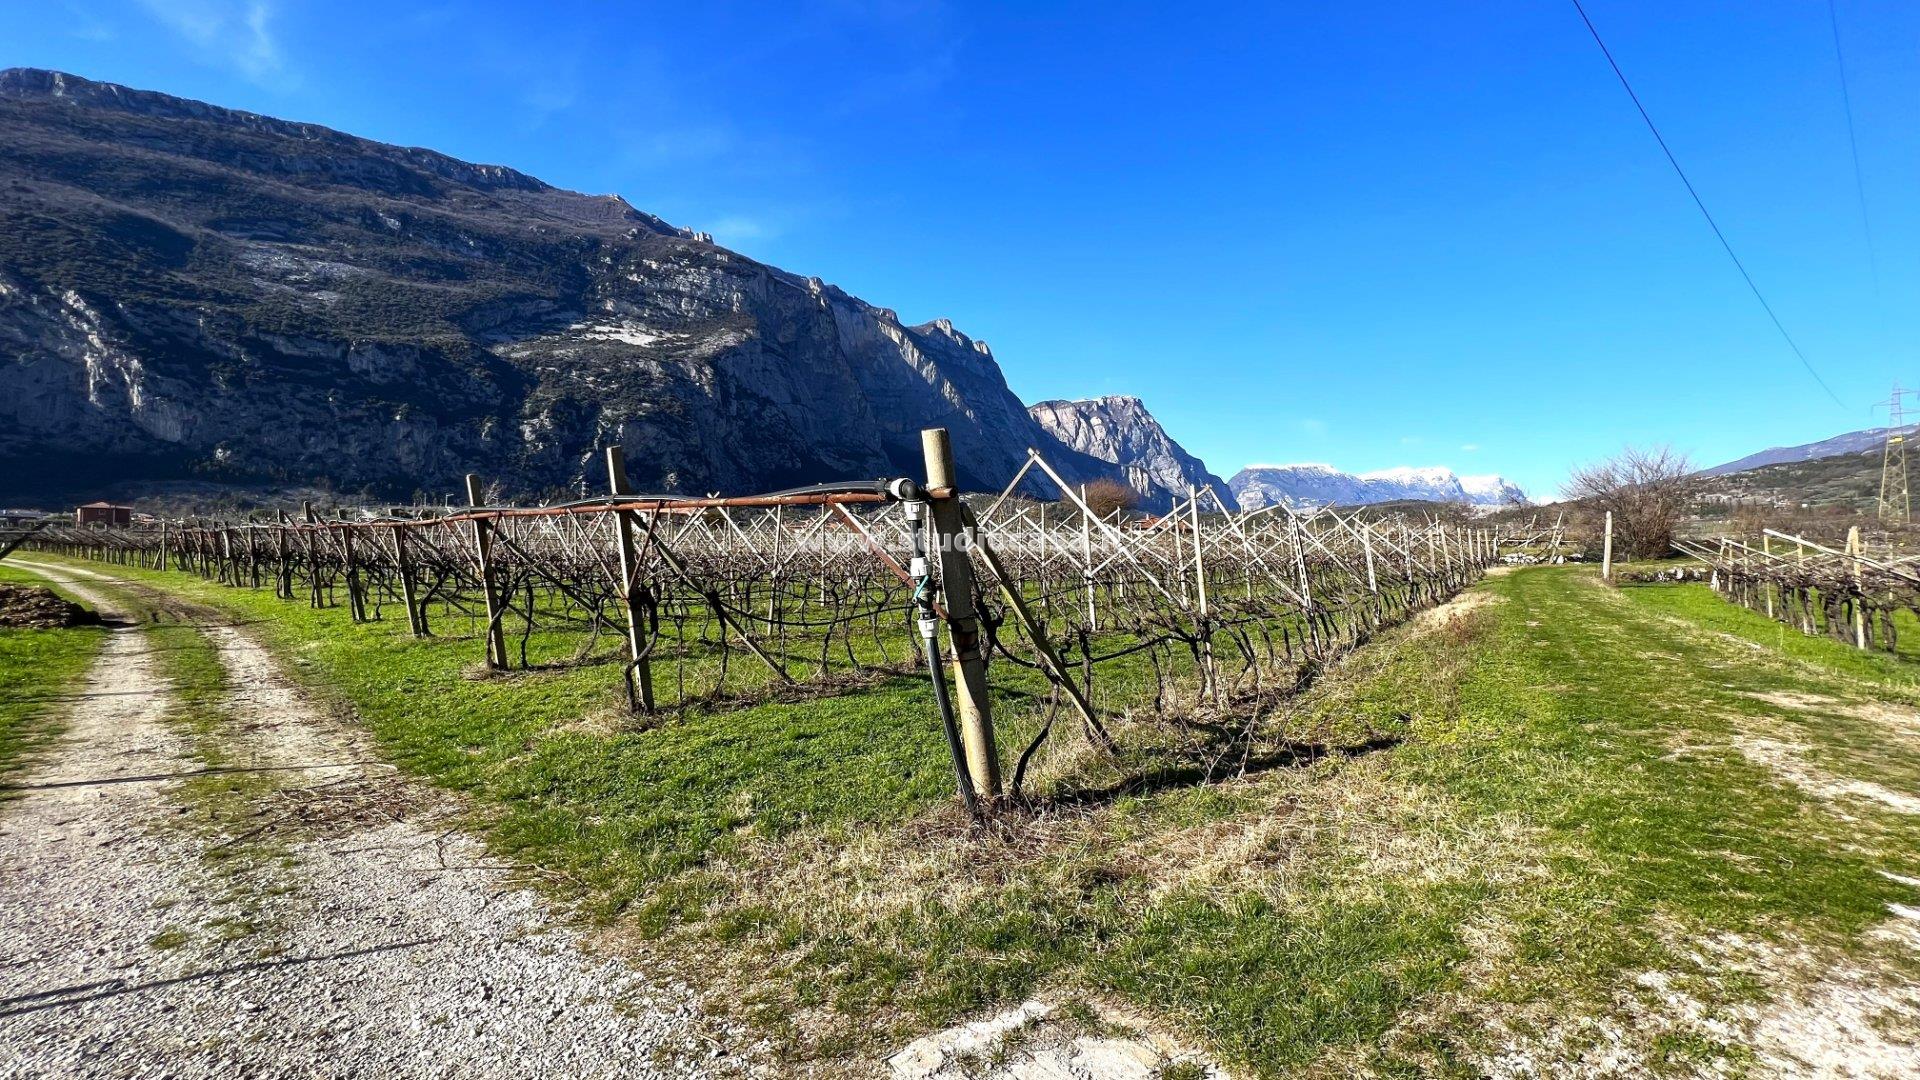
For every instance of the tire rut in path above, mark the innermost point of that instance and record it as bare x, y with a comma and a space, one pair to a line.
371, 943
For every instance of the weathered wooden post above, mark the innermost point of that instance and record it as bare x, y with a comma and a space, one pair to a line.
1366, 543
163, 545
1204, 623
313, 554
1766, 586
1606, 551
356, 602
483, 550
630, 581
963, 622
416, 622
1859, 588
1086, 559
283, 569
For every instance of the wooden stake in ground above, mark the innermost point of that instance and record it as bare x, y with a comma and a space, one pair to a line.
313, 554
1606, 551
1204, 624
1766, 587
409, 593
483, 549
630, 582
1859, 592
971, 703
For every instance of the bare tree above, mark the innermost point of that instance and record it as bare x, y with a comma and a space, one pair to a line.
1106, 496
1649, 491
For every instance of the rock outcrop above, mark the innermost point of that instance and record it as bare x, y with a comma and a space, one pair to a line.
1318, 485
188, 291
1121, 432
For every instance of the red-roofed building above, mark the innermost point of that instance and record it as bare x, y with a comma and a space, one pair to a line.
103, 513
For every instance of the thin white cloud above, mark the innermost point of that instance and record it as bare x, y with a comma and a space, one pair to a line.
679, 146
545, 98
1470, 447
737, 227
88, 27
1313, 426
1409, 440
237, 33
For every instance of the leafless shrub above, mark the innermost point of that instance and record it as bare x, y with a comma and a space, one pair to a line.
1649, 490
1105, 497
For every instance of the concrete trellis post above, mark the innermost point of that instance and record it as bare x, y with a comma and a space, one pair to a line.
974, 708
1606, 551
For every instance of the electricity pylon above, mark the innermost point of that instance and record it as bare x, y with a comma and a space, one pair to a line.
1894, 502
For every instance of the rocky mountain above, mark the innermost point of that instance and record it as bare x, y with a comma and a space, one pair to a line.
1853, 442
194, 292
1120, 431
1847, 481
1317, 485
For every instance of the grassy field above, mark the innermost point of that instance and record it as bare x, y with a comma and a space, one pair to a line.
36, 668
1560, 825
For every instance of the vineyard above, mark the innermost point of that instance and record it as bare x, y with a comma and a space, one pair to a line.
1848, 593
1206, 611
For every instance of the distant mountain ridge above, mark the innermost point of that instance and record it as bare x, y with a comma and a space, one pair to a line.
189, 292
1119, 430
1852, 442
1313, 484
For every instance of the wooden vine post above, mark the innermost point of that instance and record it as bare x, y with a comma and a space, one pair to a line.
1606, 551
313, 554
1086, 559
1208, 672
483, 550
409, 590
283, 567
1766, 587
630, 582
971, 703
356, 600
1859, 591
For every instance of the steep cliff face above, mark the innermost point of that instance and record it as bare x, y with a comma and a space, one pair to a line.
193, 291
1121, 432
1317, 485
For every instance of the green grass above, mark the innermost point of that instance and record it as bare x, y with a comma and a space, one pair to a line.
1554, 801
38, 669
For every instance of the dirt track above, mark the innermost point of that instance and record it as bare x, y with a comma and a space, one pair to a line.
371, 942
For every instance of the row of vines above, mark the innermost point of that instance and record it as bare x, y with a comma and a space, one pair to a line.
1205, 609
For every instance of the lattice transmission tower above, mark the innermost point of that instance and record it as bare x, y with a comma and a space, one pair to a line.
1895, 505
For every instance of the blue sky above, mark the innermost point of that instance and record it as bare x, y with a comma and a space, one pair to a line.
1369, 234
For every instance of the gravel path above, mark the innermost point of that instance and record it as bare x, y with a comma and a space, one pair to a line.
371, 942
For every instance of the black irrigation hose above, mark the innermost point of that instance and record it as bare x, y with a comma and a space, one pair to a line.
930, 647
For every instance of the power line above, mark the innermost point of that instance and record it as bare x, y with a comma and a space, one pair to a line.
1859, 183
1698, 202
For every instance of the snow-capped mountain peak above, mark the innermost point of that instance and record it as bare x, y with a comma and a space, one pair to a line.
1315, 485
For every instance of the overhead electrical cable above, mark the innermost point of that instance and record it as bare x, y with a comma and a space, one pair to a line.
1701, 204
1859, 183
